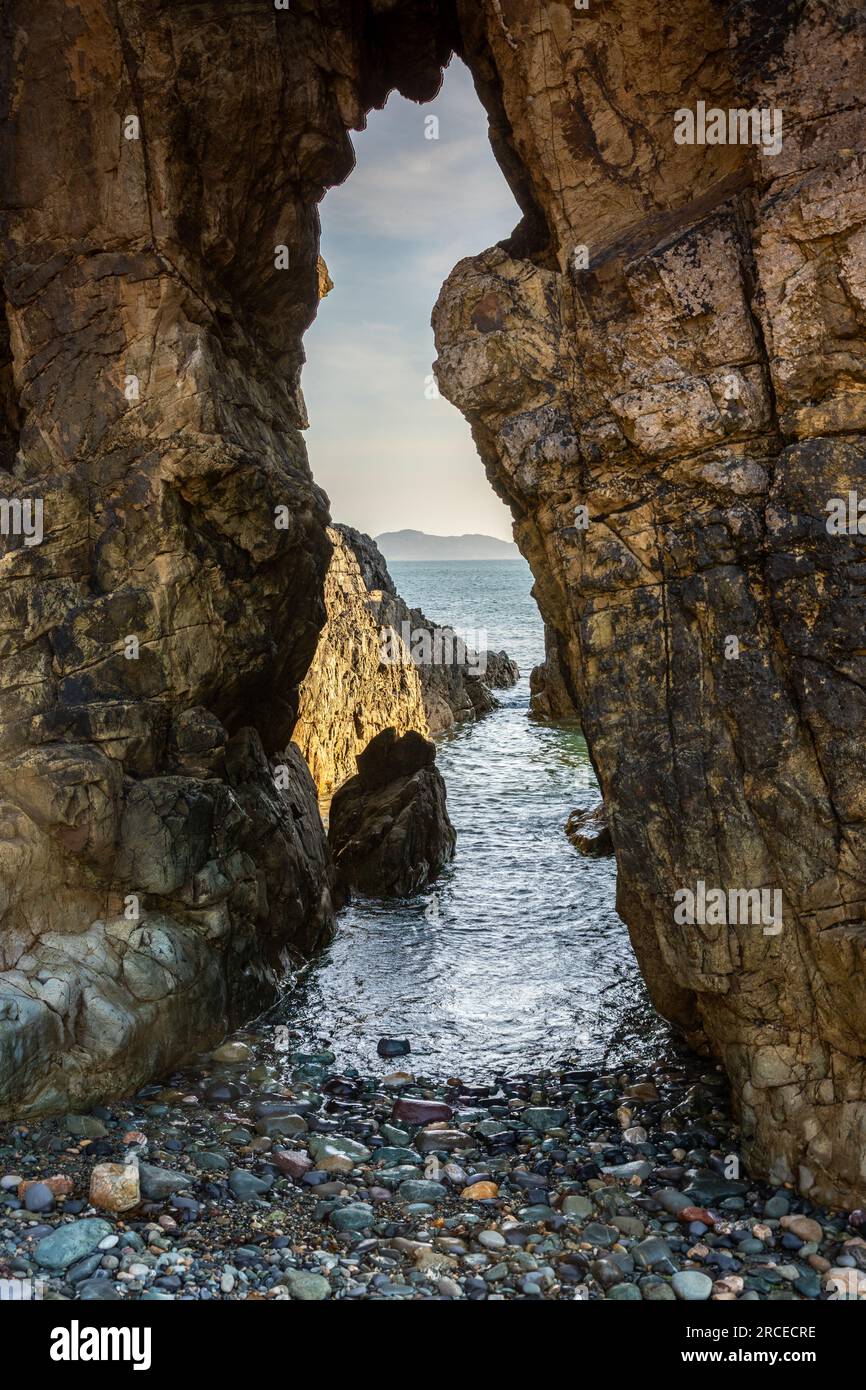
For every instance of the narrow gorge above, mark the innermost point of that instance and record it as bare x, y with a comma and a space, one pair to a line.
665, 373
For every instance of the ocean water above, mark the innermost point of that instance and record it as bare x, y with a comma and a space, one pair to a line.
515, 958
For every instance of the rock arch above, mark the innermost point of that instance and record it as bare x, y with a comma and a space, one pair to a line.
696, 380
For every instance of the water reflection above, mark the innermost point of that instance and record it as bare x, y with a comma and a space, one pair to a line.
516, 957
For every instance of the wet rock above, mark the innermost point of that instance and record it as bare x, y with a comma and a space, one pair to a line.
70, 1243
439, 1140
281, 1126
323, 1147
393, 1047
544, 1118
115, 1186
159, 1183
389, 829
589, 832
421, 1112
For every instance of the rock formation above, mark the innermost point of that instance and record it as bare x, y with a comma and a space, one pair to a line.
589, 831
381, 664
349, 694
665, 374
550, 692
389, 828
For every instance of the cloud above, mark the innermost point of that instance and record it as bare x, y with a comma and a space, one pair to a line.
388, 456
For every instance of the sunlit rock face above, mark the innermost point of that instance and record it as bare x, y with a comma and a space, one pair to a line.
350, 693
380, 664
696, 380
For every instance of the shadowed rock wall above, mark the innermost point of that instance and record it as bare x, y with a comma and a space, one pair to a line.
695, 378
162, 166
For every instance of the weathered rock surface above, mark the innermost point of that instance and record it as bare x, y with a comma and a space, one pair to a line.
349, 693
389, 829
381, 664
551, 695
697, 382
589, 832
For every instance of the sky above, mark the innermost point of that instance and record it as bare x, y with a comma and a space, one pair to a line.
389, 457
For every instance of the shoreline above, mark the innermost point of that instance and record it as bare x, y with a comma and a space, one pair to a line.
293, 1179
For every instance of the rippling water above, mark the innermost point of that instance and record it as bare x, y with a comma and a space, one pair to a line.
515, 958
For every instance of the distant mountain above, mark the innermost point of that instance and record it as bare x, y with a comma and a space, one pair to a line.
415, 545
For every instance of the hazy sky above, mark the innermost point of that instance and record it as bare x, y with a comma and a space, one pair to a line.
387, 456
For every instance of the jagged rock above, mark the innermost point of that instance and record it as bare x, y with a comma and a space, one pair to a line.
662, 344
389, 828
589, 831
501, 672
550, 692
212, 878
456, 681
380, 664
349, 693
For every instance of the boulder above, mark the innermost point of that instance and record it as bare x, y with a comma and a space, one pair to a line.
389, 829
589, 831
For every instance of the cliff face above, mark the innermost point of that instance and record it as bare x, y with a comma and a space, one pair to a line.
349, 695
162, 166
380, 664
700, 389
672, 340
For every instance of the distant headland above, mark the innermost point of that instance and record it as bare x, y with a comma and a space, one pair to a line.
416, 545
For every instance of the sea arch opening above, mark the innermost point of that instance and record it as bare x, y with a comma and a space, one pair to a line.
515, 955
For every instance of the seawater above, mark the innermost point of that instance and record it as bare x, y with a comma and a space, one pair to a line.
515, 958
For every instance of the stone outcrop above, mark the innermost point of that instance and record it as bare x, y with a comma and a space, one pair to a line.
457, 683
665, 374
389, 828
674, 342
550, 692
589, 831
349, 694
381, 664
204, 884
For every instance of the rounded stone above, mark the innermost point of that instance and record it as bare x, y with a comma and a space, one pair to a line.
692, 1286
